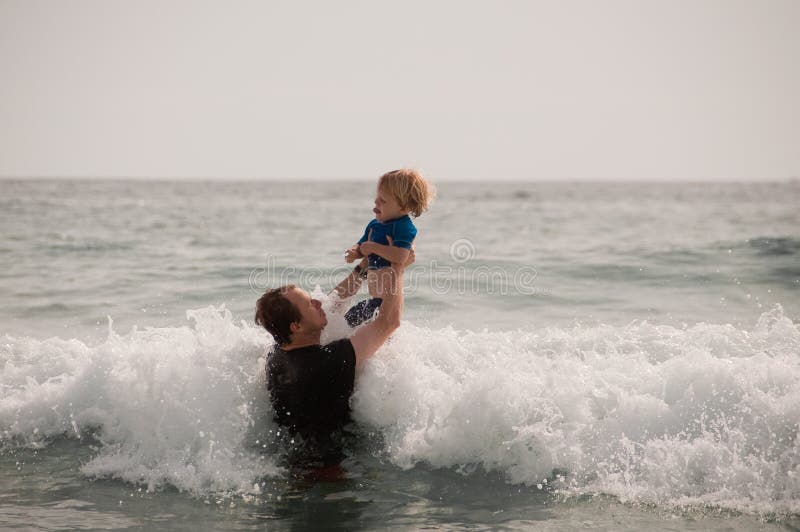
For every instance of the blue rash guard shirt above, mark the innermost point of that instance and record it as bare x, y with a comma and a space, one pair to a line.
402, 231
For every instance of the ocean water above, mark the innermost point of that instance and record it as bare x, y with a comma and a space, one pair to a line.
572, 356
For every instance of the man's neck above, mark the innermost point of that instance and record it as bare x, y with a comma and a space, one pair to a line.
301, 341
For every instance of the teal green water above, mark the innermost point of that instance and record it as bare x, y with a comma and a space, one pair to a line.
42, 491
573, 356
74, 253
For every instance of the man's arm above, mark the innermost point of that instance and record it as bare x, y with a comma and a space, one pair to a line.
371, 336
390, 253
350, 284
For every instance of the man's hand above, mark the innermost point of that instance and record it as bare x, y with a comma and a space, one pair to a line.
390, 252
366, 248
411, 256
352, 254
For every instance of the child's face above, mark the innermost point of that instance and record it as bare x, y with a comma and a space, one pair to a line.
386, 207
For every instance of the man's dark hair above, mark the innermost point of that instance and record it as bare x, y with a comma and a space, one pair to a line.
275, 313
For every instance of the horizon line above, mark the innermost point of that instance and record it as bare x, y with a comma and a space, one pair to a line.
446, 179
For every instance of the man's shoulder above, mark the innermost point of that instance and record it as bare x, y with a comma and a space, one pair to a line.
279, 357
275, 355
341, 345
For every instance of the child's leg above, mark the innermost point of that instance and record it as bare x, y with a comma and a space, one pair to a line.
379, 281
362, 311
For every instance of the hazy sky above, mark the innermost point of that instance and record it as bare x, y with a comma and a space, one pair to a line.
486, 90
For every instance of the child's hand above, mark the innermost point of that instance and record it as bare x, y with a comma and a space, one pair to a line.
352, 254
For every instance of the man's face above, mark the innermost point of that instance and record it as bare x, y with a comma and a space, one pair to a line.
312, 317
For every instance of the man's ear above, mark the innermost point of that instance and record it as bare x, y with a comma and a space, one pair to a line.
294, 326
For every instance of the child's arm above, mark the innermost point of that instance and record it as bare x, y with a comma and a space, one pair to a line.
352, 254
350, 284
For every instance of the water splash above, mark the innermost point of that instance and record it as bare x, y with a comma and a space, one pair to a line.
703, 415
700, 415
169, 405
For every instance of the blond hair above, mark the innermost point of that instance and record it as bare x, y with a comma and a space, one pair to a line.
409, 188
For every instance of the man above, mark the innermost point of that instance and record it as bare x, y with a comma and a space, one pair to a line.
310, 385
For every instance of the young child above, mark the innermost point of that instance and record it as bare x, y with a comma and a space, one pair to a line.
388, 238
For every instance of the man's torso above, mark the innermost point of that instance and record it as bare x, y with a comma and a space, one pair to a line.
310, 388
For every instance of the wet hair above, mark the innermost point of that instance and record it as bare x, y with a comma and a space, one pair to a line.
276, 313
409, 188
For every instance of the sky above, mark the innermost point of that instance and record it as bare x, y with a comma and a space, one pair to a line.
463, 90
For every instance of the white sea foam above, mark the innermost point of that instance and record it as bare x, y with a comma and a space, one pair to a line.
702, 415
170, 405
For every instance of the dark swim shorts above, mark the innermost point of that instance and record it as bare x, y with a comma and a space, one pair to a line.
362, 311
